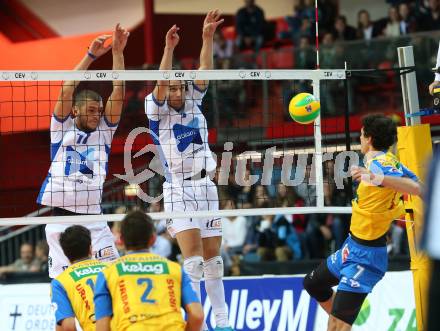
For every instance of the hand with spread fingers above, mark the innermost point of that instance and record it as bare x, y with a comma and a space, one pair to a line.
211, 22
172, 37
120, 37
97, 48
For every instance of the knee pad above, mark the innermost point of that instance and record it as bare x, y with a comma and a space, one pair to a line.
321, 292
193, 266
213, 268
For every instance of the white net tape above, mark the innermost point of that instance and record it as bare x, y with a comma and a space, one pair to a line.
141, 75
85, 219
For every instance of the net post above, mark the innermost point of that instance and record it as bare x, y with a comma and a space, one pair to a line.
414, 148
317, 34
409, 85
348, 110
318, 150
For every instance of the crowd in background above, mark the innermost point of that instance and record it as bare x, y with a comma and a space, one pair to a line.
32, 259
404, 17
289, 43
367, 44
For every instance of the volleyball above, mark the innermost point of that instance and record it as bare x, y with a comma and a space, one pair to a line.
304, 108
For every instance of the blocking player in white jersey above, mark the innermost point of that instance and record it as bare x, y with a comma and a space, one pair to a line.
81, 132
178, 128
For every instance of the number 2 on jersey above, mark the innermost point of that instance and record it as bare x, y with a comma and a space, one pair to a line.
144, 297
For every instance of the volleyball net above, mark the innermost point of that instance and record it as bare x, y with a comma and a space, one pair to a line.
265, 163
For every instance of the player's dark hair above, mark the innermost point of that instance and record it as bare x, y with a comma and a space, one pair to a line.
75, 242
381, 129
137, 228
83, 96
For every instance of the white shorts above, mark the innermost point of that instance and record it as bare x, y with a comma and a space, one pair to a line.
103, 246
192, 195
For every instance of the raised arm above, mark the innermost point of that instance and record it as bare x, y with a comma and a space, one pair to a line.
113, 108
171, 40
210, 24
63, 106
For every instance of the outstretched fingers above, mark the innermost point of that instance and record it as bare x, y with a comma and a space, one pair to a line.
172, 37
216, 14
173, 29
217, 23
104, 37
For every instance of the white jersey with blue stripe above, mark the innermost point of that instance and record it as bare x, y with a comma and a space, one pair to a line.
181, 137
79, 166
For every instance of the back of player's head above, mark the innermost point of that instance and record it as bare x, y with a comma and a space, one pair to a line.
76, 242
83, 96
137, 230
381, 129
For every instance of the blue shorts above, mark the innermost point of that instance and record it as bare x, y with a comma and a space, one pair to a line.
358, 267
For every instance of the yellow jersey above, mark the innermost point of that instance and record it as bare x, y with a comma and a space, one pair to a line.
143, 291
72, 293
375, 207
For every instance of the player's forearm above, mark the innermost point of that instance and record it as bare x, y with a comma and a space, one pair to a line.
65, 97
165, 64
68, 324
206, 55
103, 324
118, 85
194, 323
195, 316
402, 185
84, 64
118, 61
114, 105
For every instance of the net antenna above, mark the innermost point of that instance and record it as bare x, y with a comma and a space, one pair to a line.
317, 34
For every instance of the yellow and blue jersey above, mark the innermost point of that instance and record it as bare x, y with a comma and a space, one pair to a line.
143, 291
72, 293
375, 207
359, 266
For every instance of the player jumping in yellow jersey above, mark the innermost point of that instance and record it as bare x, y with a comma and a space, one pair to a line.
362, 261
144, 291
72, 290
